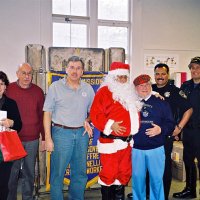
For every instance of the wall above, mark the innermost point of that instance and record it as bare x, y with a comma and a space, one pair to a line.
22, 22
159, 26
165, 27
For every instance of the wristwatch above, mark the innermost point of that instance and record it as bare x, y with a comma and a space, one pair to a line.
179, 127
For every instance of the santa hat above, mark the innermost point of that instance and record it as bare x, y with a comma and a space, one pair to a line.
144, 78
119, 69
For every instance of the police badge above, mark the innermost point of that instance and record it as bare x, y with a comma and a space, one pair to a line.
183, 94
167, 94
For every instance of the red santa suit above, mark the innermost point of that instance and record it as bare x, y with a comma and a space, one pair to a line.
115, 102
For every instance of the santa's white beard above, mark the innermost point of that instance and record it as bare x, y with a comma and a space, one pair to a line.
122, 92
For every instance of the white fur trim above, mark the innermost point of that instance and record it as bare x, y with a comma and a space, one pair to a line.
107, 130
113, 147
135, 122
116, 182
131, 143
119, 72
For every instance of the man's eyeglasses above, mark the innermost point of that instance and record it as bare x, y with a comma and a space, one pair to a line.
122, 77
26, 73
75, 68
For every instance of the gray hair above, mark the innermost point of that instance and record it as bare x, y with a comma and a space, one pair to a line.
20, 65
75, 59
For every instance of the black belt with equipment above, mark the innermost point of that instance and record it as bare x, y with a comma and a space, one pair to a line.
125, 139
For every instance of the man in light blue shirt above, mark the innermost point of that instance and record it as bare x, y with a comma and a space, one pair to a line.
66, 119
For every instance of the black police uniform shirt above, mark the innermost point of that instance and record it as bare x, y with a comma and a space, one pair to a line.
192, 91
176, 99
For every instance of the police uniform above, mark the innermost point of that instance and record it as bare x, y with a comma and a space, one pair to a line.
179, 105
191, 134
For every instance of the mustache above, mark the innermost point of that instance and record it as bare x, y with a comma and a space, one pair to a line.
160, 79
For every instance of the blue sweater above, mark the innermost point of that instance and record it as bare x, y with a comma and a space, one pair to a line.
155, 111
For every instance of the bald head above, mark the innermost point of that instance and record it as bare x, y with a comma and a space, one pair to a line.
24, 75
23, 65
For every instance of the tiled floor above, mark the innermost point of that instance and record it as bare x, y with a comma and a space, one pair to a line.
95, 194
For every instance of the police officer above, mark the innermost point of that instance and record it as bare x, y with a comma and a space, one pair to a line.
191, 133
181, 110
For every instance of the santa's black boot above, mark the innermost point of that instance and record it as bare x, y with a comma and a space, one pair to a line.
107, 192
119, 192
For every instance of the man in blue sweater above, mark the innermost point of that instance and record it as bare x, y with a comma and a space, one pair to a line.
148, 151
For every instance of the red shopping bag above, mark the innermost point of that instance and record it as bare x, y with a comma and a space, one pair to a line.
11, 146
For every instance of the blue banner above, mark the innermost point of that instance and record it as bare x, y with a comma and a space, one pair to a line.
93, 161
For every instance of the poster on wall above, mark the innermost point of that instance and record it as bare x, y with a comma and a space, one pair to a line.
94, 58
116, 55
150, 60
35, 55
93, 161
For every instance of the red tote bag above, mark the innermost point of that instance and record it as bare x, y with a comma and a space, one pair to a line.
11, 146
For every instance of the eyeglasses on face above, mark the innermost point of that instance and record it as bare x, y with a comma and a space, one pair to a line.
23, 73
144, 85
79, 68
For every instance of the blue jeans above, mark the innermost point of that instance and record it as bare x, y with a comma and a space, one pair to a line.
70, 147
152, 160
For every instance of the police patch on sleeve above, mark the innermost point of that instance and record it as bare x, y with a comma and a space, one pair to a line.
181, 93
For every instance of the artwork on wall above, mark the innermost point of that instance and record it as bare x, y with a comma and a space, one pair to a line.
35, 55
116, 55
94, 58
150, 60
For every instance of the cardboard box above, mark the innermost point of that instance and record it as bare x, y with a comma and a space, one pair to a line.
178, 171
178, 167
177, 152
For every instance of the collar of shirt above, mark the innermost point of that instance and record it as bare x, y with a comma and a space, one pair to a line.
145, 98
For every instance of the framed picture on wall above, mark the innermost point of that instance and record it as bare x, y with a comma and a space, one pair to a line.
150, 60
93, 58
116, 55
35, 55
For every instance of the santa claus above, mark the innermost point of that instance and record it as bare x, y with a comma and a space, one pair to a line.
114, 113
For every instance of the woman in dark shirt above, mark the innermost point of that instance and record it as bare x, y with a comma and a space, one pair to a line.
12, 121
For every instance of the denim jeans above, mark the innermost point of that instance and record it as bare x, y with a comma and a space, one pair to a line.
70, 147
26, 166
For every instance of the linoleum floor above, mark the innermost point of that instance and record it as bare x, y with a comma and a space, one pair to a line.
95, 193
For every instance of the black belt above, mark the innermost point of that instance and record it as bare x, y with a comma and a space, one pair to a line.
125, 139
66, 127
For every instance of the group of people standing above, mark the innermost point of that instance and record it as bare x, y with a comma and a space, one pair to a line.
137, 129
